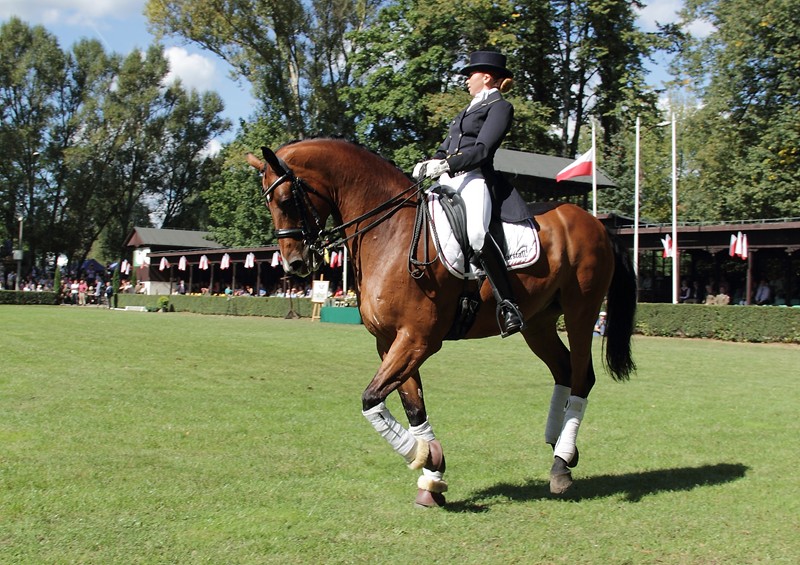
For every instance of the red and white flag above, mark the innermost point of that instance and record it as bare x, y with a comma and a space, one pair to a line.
182, 263
164, 264
738, 246
581, 167
250, 261
276, 259
203, 263
226, 261
667, 243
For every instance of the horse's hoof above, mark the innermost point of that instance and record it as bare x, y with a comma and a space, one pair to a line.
572, 462
560, 476
428, 499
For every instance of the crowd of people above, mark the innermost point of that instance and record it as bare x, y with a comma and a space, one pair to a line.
765, 293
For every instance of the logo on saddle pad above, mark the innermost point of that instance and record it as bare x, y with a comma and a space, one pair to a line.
522, 243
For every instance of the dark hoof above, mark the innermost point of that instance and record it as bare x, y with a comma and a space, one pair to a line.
572, 462
560, 476
428, 499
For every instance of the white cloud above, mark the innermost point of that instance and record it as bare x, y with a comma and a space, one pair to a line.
195, 71
658, 11
666, 12
74, 12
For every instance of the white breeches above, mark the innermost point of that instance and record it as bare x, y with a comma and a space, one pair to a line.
472, 188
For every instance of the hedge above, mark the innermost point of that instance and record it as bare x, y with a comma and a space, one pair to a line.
272, 307
759, 324
23, 297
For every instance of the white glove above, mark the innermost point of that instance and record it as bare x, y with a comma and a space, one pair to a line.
432, 169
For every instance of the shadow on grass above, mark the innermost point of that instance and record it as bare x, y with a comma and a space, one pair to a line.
634, 486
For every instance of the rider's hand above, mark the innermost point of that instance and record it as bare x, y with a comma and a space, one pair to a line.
432, 169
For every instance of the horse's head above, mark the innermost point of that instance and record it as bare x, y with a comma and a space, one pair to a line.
299, 212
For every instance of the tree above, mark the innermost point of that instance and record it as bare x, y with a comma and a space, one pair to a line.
748, 76
295, 54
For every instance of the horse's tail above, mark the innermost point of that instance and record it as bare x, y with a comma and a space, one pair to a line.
621, 310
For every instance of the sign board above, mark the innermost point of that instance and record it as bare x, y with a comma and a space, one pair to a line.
319, 291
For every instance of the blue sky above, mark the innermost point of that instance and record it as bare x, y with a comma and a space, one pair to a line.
121, 27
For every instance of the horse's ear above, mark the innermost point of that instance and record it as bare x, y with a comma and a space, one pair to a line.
274, 161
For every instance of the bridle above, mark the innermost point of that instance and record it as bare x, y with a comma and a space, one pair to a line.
311, 231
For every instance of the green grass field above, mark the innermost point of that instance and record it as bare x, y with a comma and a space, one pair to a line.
174, 438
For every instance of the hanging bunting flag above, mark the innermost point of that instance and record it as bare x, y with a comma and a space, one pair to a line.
738, 246
164, 264
182, 263
203, 263
743, 251
226, 261
667, 243
732, 247
276, 259
250, 261
581, 167
334, 260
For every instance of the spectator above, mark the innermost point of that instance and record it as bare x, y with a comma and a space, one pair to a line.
763, 294
600, 325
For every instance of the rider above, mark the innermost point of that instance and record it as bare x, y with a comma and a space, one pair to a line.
465, 163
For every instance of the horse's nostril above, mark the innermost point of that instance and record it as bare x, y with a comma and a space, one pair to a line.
296, 265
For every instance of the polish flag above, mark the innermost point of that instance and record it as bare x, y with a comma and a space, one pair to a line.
276, 259
743, 251
226, 261
581, 167
734, 242
203, 263
738, 247
164, 264
667, 243
182, 263
250, 261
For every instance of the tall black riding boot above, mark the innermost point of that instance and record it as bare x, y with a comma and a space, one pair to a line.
509, 318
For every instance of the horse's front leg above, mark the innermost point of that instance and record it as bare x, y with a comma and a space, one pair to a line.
431, 484
417, 445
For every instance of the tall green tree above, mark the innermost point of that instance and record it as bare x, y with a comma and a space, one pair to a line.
748, 76
295, 54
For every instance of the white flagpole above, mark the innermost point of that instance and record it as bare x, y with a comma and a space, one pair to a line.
594, 173
636, 190
675, 252
344, 271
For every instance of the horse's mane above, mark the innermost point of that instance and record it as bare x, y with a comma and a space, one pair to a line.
348, 142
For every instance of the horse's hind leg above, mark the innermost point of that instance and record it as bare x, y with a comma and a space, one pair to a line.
543, 340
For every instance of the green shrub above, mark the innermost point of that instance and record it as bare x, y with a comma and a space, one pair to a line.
20, 297
758, 324
273, 307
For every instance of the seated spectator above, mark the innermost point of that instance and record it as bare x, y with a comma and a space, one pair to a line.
600, 325
722, 299
763, 294
685, 294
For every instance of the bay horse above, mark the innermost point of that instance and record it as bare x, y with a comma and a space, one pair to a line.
411, 311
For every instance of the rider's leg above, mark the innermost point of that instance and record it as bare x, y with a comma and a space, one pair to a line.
472, 188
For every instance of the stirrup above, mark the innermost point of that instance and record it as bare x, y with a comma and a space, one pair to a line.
509, 318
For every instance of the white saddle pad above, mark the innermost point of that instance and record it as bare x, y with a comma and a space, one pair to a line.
522, 240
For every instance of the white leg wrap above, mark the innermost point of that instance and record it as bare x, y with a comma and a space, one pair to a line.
555, 418
423, 431
565, 448
401, 440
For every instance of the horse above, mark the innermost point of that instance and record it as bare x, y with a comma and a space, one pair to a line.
411, 311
